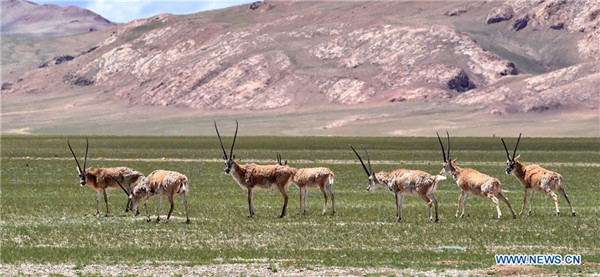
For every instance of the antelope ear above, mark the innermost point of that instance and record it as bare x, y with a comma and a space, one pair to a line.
517, 157
454, 160
285, 163
233, 157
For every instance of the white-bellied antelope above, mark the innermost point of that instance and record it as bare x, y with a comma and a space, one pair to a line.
100, 180
158, 184
471, 181
533, 177
403, 181
251, 176
316, 177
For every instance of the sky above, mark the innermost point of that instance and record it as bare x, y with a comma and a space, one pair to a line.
122, 11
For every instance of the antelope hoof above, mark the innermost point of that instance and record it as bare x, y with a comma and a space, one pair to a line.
436, 220
187, 221
249, 216
398, 219
529, 213
107, 215
282, 215
148, 220
573, 214
521, 213
557, 213
157, 220
514, 216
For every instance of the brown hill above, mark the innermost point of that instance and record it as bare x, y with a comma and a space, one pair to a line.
24, 18
488, 57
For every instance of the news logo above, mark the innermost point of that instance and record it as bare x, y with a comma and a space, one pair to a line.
548, 259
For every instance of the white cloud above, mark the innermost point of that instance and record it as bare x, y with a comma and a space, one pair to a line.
123, 11
117, 11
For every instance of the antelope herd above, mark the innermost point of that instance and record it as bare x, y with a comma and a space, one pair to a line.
250, 177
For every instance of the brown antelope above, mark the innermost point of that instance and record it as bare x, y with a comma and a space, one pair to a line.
158, 184
403, 181
102, 179
251, 176
471, 181
533, 177
317, 177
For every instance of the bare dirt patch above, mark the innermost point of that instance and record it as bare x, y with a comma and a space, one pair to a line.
299, 161
452, 263
514, 270
262, 269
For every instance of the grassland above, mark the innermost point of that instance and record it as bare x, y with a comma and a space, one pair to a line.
48, 219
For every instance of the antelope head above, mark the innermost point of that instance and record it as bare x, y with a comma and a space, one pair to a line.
81, 171
229, 160
449, 165
279, 160
511, 161
373, 180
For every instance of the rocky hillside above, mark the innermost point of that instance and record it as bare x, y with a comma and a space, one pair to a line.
505, 57
24, 18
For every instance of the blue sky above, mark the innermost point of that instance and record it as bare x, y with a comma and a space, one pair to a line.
122, 11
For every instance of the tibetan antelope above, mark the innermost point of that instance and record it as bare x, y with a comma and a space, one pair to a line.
100, 180
251, 176
401, 182
471, 181
317, 177
158, 184
533, 177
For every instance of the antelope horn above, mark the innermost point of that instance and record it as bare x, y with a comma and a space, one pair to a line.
124, 180
87, 144
516, 146
368, 159
234, 137
448, 136
220, 141
441, 145
74, 156
506, 149
279, 159
361, 161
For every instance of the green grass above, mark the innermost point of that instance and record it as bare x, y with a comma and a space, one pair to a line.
48, 218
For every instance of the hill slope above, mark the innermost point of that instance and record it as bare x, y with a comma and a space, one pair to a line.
497, 58
24, 18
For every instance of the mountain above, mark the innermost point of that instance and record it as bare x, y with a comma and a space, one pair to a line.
24, 18
493, 58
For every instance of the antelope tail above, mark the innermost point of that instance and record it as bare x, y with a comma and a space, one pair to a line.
182, 186
331, 179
